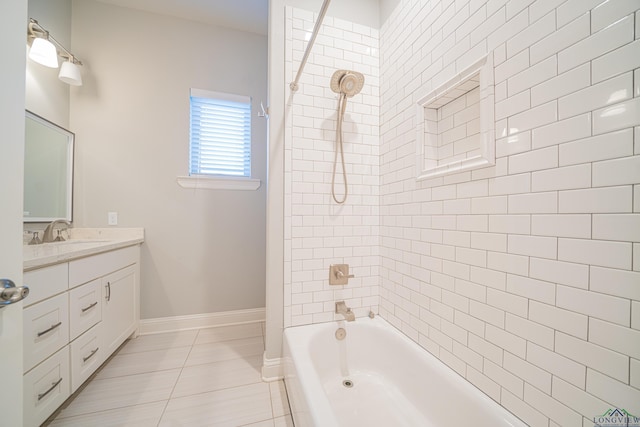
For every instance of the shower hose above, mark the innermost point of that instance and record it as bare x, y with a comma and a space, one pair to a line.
342, 104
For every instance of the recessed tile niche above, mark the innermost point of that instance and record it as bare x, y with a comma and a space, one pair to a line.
455, 123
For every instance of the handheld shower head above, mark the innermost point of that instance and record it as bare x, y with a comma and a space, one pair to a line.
347, 82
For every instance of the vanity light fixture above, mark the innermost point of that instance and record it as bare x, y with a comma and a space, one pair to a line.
45, 50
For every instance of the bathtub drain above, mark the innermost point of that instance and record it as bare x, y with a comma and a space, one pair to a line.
347, 383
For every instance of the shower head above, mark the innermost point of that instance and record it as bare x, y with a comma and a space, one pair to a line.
348, 82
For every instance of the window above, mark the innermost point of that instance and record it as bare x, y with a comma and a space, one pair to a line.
220, 134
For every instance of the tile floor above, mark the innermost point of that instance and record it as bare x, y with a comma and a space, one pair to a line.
206, 377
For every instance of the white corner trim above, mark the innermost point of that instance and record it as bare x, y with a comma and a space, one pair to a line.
197, 321
272, 369
210, 183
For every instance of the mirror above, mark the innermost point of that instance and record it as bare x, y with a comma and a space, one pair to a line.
48, 170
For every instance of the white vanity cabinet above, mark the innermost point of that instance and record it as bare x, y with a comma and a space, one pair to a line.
82, 311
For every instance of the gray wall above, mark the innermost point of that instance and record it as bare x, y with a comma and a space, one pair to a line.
205, 249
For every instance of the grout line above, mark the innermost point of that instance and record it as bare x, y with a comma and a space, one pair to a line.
178, 377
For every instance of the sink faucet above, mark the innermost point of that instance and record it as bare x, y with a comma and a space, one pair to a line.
48, 232
341, 308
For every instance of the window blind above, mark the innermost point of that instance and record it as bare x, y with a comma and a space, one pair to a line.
220, 134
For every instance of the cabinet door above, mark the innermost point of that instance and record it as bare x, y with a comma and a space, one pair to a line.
119, 307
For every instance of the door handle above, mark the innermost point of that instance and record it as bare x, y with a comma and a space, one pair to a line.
10, 293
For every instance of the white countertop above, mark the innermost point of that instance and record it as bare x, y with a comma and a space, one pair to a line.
82, 242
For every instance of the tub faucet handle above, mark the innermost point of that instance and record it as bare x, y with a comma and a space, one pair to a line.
339, 274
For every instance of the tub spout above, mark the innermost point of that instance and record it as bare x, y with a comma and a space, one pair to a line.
341, 308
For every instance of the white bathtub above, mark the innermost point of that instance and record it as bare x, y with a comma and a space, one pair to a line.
395, 382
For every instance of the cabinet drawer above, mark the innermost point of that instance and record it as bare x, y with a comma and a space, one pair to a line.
46, 387
46, 282
46, 329
85, 308
87, 354
90, 268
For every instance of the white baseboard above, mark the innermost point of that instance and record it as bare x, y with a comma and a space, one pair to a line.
198, 321
272, 369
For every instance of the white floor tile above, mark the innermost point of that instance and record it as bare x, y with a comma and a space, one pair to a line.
231, 407
279, 402
227, 333
217, 376
210, 377
146, 361
159, 341
139, 415
226, 350
112, 393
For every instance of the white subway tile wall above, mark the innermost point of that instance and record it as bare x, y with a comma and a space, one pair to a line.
523, 277
319, 232
535, 260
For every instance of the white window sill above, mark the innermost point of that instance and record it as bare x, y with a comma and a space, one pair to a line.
215, 183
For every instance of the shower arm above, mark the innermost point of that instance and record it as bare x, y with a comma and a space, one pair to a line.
323, 10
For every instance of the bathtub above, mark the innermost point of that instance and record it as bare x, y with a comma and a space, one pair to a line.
376, 376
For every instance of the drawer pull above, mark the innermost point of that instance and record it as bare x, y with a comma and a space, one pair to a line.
84, 359
89, 307
50, 329
108, 288
53, 386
